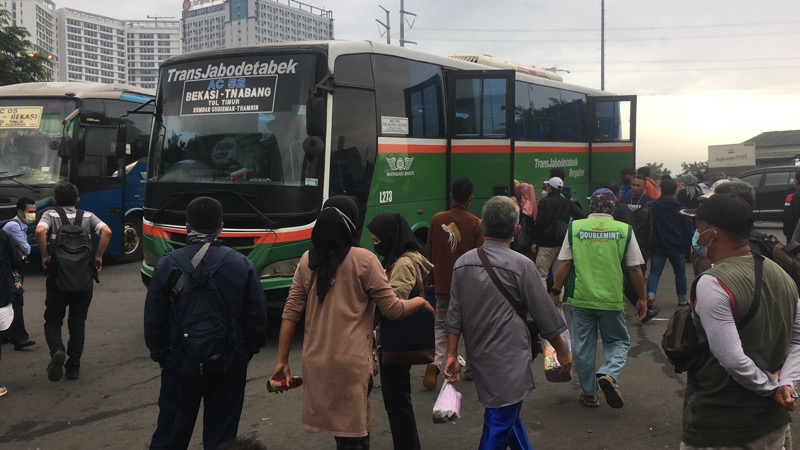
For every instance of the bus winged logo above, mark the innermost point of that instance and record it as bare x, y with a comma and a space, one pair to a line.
396, 164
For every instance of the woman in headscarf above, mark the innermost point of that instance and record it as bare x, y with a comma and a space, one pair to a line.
406, 268
691, 192
338, 285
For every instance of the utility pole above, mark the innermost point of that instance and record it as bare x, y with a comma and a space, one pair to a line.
602, 45
404, 13
386, 25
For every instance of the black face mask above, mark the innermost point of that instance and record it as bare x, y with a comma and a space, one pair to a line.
382, 248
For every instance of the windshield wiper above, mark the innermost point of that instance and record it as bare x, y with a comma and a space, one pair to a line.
266, 220
14, 177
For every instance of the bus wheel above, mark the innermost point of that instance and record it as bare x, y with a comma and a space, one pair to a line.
131, 240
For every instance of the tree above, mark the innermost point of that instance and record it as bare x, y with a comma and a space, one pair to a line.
697, 166
17, 63
657, 170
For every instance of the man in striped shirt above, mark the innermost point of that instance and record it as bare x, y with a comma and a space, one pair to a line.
65, 196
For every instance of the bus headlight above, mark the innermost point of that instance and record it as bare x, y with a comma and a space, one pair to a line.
283, 268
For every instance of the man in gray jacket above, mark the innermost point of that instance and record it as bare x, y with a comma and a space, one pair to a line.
496, 337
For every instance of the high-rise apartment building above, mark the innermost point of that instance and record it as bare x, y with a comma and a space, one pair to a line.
39, 18
148, 43
92, 47
211, 25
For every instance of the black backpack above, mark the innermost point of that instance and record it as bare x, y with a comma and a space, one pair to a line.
72, 268
204, 338
682, 344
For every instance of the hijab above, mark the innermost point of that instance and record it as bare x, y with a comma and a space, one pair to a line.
331, 239
690, 186
395, 235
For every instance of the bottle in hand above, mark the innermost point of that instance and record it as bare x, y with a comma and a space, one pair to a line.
284, 385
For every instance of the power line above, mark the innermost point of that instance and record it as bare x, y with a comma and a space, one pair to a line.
633, 39
572, 30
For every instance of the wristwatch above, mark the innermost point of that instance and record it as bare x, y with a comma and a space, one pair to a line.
554, 291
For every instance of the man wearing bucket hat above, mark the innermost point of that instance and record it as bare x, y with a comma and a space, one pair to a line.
598, 248
735, 399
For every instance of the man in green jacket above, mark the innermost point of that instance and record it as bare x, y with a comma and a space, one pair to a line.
741, 396
598, 248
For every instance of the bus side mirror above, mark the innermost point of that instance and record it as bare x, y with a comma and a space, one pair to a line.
62, 146
122, 140
315, 116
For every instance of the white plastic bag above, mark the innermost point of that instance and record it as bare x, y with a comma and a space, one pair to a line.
448, 404
6, 316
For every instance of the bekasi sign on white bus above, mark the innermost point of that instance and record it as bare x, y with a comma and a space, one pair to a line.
732, 155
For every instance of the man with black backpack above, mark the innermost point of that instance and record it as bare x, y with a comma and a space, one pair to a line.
204, 319
71, 268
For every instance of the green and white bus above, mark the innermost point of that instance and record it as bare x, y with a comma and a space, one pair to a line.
273, 130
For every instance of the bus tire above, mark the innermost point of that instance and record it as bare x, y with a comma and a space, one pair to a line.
131, 240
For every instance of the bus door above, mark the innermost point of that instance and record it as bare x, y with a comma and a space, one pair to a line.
96, 171
480, 143
612, 144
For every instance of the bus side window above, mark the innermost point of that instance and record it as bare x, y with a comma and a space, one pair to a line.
98, 159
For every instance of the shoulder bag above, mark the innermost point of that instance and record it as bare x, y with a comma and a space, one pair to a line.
533, 329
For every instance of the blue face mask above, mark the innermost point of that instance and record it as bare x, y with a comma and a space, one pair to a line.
699, 249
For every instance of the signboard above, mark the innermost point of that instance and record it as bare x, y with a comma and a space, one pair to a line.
229, 95
394, 125
195, 4
20, 116
732, 155
199, 12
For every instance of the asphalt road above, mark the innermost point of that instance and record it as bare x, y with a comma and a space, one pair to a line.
114, 406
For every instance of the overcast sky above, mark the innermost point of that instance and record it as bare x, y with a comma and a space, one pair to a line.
705, 72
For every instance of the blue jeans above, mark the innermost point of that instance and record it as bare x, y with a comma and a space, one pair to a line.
502, 429
657, 263
614, 332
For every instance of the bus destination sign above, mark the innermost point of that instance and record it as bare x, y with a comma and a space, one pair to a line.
20, 116
235, 95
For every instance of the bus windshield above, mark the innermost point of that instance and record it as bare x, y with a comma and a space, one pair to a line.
233, 121
27, 127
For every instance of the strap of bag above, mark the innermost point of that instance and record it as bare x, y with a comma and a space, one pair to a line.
176, 289
493, 275
758, 263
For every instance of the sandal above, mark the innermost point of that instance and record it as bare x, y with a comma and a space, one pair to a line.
592, 401
611, 391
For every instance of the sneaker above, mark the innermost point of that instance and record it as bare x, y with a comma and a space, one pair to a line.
651, 312
611, 391
430, 379
55, 370
3, 391
72, 373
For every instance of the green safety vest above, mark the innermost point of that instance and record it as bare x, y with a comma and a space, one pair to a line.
598, 248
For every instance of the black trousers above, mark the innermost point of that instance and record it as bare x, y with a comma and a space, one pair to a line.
56, 304
17, 332
396, 390
179, 403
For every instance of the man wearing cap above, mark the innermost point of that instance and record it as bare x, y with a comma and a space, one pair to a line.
554, 212
593, 255
222, 393
736, 399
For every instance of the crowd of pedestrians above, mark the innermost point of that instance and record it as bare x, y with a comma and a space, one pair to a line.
494, 277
